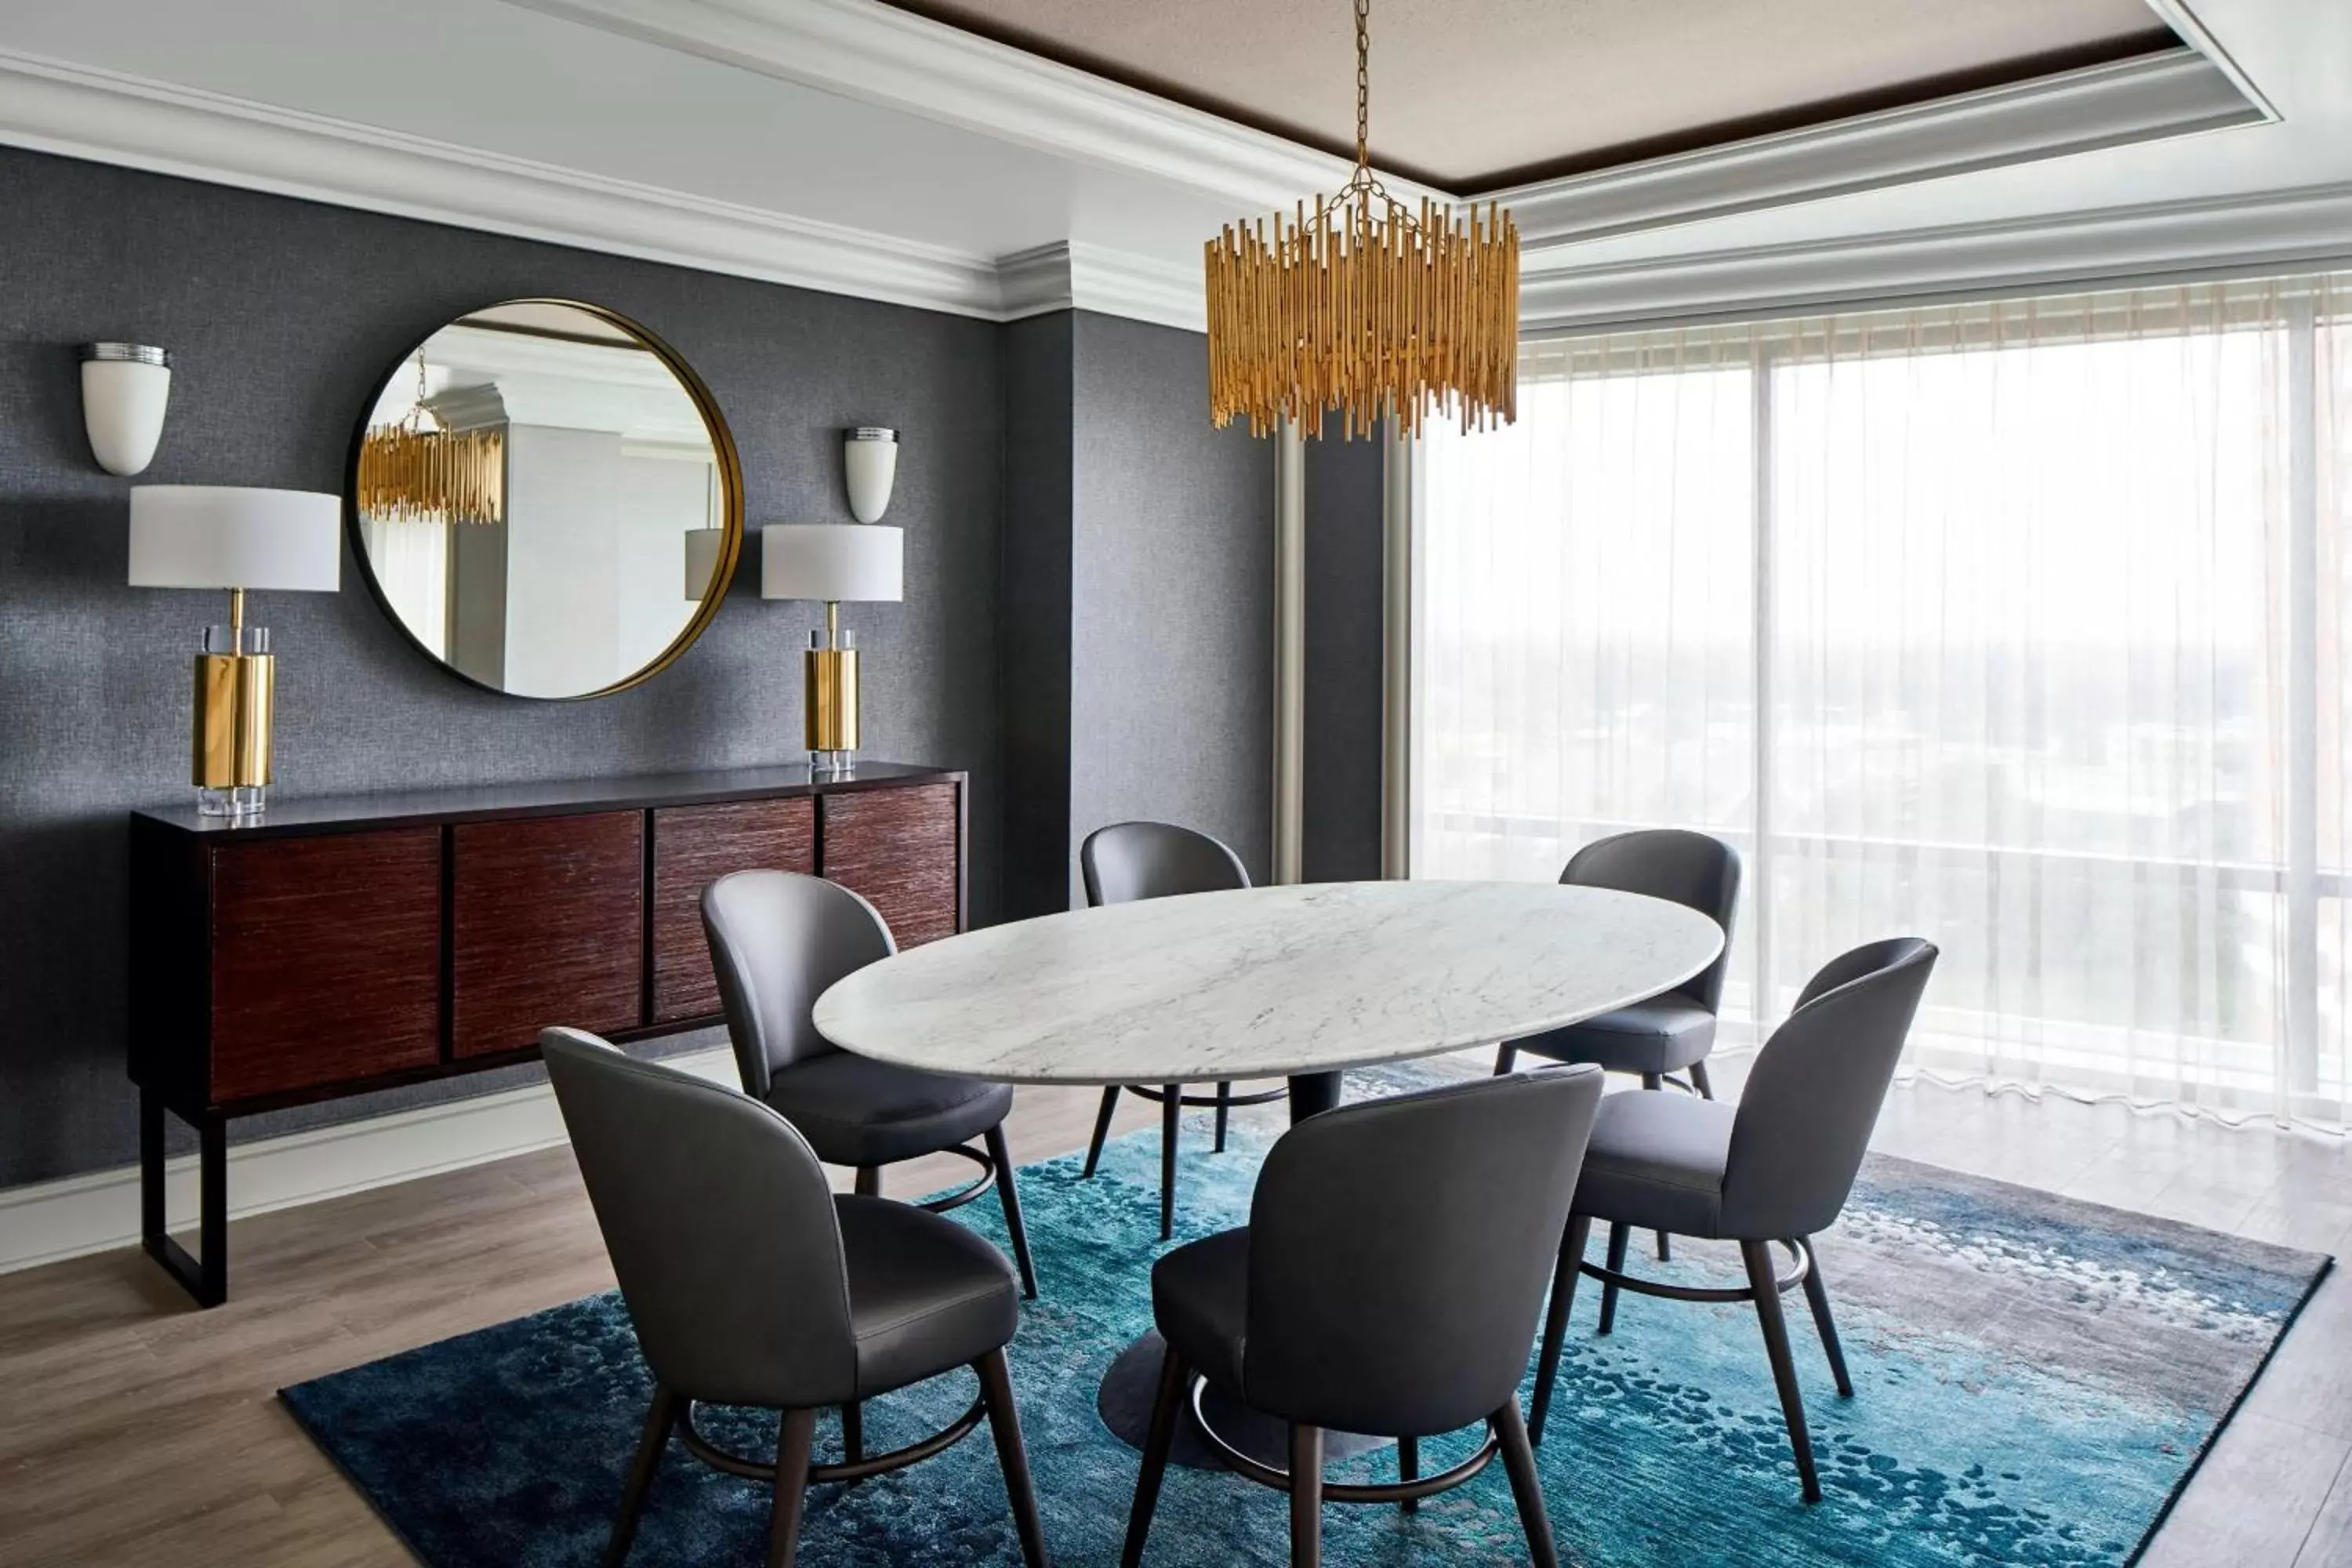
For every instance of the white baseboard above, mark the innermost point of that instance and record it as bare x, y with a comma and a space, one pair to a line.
49, 1221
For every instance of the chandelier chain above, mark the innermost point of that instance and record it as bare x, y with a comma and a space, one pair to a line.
1363, 84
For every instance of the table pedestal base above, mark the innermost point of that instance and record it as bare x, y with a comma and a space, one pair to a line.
1125, 1399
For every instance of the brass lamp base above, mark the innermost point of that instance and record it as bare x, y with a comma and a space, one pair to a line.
830, 701
236, 679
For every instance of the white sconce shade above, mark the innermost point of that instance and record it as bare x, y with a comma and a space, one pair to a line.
228, 536
703, 546
869, 459
832, 561
123, 389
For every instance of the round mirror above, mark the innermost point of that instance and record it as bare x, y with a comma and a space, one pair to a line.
546, 499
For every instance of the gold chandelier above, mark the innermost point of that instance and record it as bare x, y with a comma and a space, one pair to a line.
1364, 308
411, 474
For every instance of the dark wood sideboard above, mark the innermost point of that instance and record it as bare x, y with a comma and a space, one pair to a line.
336, 946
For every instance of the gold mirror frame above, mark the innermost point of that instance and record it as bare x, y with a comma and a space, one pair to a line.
730, 479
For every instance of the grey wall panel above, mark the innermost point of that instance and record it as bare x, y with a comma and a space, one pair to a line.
282, 316
1342, 837
1034, 646
1171, 595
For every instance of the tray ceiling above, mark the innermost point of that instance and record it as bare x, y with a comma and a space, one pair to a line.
1475, 95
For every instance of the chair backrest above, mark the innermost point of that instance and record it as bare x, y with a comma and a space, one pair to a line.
1696, 871
1130, 860
777, 940
720, 1226
1399, 1250
1814, 1092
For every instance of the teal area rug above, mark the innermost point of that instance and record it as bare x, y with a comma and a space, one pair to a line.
2036, 1379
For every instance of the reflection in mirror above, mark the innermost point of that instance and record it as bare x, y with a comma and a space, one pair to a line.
535, 478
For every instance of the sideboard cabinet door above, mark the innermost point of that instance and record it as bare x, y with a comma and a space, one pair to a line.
900, 848
547, 927
694, 845
326, 960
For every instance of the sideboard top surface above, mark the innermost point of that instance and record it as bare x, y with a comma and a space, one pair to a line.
478, 803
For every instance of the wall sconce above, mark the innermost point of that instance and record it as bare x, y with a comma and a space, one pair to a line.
870, 457
123, 389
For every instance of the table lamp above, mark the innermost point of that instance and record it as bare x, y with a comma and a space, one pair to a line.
222, 536
829, 562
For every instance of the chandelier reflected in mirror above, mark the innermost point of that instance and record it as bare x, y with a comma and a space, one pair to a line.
1363, 306
410, 473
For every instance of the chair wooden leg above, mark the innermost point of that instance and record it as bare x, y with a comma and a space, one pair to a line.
1555, 1334
1102, 1131
659, 1418
1699, 1082
1519, 1464
852, 1432
1000, 1155
1224, 1109
1409, 1469
1011, 1455
794, 1443
1817, 1296
1172, 1114
869, 1181
1656, 1083
1167, 1405
1306, 1496
1619, 1233
1758, 1255
1507, 1057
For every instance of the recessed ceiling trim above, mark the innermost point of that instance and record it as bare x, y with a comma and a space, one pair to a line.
875, 53
1074, 275
2282, 230
53, 107
2172, 93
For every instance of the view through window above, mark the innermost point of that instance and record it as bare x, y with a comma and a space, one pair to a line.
2020, 626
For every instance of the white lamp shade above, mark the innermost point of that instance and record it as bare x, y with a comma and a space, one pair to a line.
869, 459
225, 536
122, 407
831, 561
702, 549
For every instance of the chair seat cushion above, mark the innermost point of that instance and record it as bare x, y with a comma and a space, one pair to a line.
1665, 1034
925, 1294
855, 1111
1200, 1298
1656, 1161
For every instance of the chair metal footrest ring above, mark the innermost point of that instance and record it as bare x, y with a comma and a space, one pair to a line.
1266, 1475
718, 1458
962, 1196
1801, 1251
1206, 1101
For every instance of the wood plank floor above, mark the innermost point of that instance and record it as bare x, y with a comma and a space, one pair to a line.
136, 1430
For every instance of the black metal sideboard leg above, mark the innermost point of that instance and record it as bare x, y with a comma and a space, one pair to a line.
205, 1279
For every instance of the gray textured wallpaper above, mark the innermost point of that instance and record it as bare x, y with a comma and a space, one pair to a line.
282, 317
1171, 646
1033, 627
1342, 783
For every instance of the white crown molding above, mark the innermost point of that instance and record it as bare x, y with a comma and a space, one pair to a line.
1073, 275
2283, 228
50, 1221
2153, 96
877, 54
54, 107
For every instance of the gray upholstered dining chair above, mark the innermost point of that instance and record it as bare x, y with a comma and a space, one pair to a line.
777, 940
1672, 1032
1388, 1282
1777, 1168
751, 1283
1130, 860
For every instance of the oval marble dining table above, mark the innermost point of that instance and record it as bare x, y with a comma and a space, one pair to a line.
1298, 982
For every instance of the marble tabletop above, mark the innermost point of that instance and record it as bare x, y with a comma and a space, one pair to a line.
1265, 982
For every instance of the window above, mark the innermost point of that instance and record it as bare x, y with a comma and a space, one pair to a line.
2020, 625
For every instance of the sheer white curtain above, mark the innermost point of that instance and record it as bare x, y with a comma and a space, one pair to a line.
2020, 626
411, 563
